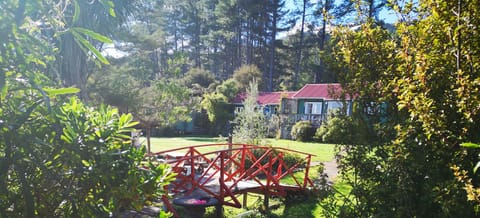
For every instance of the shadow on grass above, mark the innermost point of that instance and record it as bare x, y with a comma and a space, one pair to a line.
304, 209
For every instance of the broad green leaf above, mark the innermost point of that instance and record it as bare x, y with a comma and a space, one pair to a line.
76, 15
61, 91
3, 86
122, 136
66, 138
97, 36
112, 12
476, 167
48, 163
86, 44
470, 145
107, 4
86, 163
56, 156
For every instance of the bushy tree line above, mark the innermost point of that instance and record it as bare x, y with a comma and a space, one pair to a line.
169, 38
202, 44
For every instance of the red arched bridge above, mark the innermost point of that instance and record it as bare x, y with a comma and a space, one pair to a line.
233, 169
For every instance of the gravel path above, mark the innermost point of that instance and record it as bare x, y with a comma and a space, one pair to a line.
331, 169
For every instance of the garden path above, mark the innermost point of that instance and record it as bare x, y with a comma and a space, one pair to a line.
331, 169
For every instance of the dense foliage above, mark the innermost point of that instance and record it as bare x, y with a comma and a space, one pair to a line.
203, 44
90, 169
219, 111
59, 157
71, 159
418, 102
341, 130
290, 159
170, 38
245, 74
303, 131
153, 102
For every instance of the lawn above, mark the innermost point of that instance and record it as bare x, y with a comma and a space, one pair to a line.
162, 144
322, 152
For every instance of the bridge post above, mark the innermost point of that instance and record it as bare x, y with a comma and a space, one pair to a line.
307, 170
219, 211
266, 201
266, 198
230, 146
245, 197
221, 181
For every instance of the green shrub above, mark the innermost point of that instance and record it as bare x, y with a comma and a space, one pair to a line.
332, 131
75, 161
250, 123
289, 159
340, 130
303, 131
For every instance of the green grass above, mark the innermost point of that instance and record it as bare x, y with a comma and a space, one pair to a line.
161, 144
322, 152
313, 173
332, 205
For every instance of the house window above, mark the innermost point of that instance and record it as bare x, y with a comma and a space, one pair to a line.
238, 110
334, 106
313, 107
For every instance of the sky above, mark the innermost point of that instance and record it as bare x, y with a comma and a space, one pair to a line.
387, 16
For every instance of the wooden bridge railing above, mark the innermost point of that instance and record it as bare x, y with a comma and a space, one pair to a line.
220, 173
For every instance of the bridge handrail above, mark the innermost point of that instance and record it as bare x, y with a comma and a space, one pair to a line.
232, 149
226, 157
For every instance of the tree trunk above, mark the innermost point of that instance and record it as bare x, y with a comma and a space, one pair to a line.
326, 7
26, 191
72, 63
371, 8
148, 131
319, 73
300, 47
197, 59
272, 46
459, 37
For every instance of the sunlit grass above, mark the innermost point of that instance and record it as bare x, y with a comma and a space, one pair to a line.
312, 174
322, 152
161, 144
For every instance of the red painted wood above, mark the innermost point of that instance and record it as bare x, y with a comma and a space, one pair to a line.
228, 166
